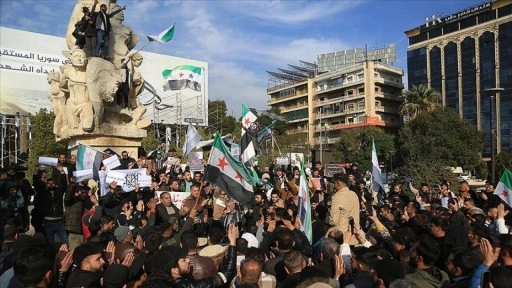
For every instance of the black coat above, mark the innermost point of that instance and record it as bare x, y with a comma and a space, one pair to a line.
49, 203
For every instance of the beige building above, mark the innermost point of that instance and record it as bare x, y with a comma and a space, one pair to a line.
366, 94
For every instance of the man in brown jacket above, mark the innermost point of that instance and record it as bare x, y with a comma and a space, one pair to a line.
204, 267
345, 204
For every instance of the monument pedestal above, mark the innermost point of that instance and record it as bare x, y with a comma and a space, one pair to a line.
100, 143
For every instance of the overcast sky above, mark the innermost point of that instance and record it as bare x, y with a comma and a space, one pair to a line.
241, 40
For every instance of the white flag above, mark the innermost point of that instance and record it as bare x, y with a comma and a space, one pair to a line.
191, 140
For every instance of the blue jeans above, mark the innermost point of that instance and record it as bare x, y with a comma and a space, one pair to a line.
103, 39
52, 228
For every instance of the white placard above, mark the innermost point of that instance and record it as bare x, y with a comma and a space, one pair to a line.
144, 181
176, 197
111, 162
112, 176
48, 161
126, 178
81, 175
282, 161
65, 169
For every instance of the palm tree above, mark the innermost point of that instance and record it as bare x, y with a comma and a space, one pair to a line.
419, 99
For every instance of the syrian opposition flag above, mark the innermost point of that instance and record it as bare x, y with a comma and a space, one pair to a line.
504, 187
164, 37
183, 76
247, 150
88, 158
304, 212
266, 133
378, 186
192, 139
229, 174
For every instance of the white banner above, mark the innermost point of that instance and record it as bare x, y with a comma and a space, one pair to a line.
111, 162
176, 197
48, 161
83, 175
126, 178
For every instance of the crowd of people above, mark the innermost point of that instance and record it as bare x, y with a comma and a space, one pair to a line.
426, 236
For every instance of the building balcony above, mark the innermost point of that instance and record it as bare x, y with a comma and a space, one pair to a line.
331, 87
273, 101
342, 99
389, 82
387, 96
289, 108
330, 114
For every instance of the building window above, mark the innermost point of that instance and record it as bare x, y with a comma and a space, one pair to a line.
350, 78
360, 76
360, 91
350, 92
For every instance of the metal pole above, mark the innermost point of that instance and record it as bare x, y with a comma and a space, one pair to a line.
320, 135
493, 143
493, 94
3, 134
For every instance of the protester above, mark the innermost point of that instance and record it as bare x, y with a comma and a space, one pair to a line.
162, 236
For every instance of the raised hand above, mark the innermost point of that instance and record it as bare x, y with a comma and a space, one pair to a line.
232, 234
111, 248
128, 260
66, 262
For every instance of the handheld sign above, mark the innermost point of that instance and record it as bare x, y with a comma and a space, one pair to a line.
177, 198
144, 181
196, 161
48, 161
81, 175
331, 169
116, 176
111, 162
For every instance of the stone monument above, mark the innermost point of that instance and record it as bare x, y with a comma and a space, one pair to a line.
95, 99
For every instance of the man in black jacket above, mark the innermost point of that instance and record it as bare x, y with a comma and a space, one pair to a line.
176, 271
103, 28
49, 202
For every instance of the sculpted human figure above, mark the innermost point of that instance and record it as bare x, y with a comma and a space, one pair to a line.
78, 106
122, 39
58, 99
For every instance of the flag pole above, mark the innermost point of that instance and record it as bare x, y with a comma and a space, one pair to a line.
143, 47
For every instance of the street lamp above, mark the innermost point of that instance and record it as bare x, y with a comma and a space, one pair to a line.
492, 97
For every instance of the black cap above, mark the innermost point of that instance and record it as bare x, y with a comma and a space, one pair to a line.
83, 251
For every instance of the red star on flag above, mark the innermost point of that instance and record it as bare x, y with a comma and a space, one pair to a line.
505, 193
238, 176
222, 163
247, 122
89, 153
191, 76
181, 74
87, 163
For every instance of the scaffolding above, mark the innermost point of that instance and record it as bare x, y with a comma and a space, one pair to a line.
295, 74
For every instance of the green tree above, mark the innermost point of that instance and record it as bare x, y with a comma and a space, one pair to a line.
355, 145
43, 140
218, 118
150, 142
419, 99
436, 140
503, 161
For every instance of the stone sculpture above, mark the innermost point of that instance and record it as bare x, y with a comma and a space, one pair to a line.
58, 99
86, 94
122, 39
